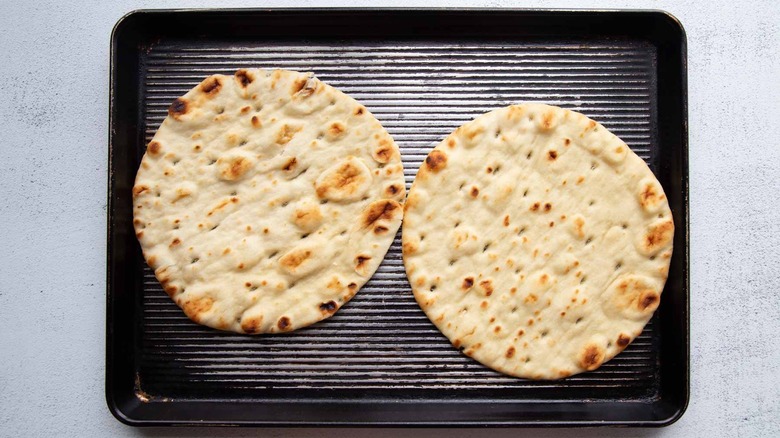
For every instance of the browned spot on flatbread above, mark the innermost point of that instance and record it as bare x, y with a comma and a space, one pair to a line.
649, 298
408, 248
293, 259
154, 148
510, 352
179, 107
468, 282
649, 196
359, 111
286, 133
275, 78
197, 306
384, 151
474, 192
487, 287
307, 218
380, 229
298, 85
635, 293
552, 155
256, 122
547, 120
211, 86
514, 112
140, 189
309, 87
361, 262
471, 131
232, 139
657, 236
506, 220
535, 206
385, 209
436, 161
411, 201
579, 223
244, 77
252, 325
623, 340
290, 164
648, 192
392, 189
221, 205
222, 324
284, 323
176, 241
591, 357
328, 307
162, 275
336, 130
346, 179
233, 168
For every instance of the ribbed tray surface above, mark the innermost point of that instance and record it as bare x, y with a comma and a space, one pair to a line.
420, 91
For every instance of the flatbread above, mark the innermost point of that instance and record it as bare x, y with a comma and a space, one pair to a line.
537, 241
266, 200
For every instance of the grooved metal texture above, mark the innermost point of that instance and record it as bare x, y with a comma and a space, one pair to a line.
381, 340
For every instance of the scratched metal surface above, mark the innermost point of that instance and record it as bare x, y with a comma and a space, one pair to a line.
381, 341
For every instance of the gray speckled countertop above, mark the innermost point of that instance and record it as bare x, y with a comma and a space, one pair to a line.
53, 153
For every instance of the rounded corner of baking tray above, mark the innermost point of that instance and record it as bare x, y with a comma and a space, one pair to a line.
125, 21
119, 412
671, 21
676, 414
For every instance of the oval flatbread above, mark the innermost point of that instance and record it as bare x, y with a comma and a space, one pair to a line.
537, 241
266, 200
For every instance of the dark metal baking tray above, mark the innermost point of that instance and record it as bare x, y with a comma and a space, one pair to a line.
379, 361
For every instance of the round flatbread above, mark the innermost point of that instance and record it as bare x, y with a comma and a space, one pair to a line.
537, 241
266, 200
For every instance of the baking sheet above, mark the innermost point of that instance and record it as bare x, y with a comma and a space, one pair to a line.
379, 353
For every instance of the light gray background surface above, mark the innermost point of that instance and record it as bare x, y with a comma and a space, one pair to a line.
54, 61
